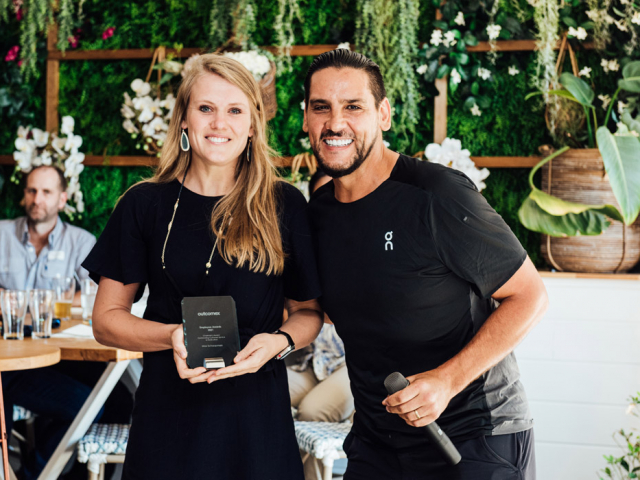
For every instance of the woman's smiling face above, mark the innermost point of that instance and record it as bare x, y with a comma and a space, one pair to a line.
218, 121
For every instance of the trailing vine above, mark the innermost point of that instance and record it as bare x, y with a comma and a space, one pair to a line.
388, 34
288, 11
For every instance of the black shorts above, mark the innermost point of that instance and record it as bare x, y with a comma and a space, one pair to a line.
500, 457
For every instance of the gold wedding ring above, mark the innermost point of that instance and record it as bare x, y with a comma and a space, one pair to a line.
417, 414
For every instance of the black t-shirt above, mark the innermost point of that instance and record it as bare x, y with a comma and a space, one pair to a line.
407, 274
180, 430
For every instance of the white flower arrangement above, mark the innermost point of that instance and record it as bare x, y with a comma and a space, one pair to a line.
35, 147
258, 64
147, 118
451, 154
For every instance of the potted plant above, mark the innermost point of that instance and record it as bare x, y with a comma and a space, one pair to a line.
587, 189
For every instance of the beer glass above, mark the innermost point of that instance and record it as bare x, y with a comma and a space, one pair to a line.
88, 290
41, 308
14, 308
65, 289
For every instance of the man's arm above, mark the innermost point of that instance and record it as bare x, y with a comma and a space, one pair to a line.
523, 303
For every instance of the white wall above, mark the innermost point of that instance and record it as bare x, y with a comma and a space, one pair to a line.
578, 367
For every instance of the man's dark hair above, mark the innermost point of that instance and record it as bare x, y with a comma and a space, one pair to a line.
58, 170
344, 58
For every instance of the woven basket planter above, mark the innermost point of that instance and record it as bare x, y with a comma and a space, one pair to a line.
579, 176
268, 88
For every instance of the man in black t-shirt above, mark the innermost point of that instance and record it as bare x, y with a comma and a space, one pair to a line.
421, 276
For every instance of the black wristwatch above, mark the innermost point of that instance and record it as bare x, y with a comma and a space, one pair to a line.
288, 349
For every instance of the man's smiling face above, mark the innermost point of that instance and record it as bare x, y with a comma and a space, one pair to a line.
342, 119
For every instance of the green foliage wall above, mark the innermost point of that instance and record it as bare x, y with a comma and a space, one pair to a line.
91, 91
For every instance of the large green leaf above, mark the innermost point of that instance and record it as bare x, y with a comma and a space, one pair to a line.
631, 77
570, 225
621, 156
578, 87
557, 206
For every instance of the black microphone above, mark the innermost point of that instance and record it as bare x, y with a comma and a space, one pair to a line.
396, 382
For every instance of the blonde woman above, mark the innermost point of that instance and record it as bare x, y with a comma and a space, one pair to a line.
236, 230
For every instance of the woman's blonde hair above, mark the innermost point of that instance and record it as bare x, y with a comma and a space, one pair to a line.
246, 219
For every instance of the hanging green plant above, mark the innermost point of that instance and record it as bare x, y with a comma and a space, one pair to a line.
288, 11
35, 16
388, 34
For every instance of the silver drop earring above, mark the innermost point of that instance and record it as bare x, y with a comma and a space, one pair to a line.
249, 151
184, 142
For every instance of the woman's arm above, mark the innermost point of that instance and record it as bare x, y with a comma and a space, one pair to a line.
304, 324
115, 326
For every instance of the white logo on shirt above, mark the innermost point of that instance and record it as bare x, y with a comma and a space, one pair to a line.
388, 237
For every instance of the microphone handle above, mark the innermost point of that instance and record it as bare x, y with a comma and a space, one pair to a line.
443, 443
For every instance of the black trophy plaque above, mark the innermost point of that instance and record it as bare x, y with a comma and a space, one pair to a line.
210, 331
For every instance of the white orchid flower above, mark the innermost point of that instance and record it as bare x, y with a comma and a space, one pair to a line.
126, 111
73, 186
72, 167
585, 72
40, 137
36, 161
636, 18
129, 126
141, 88
451, 154
73, 143
188, 65
23, 132
46, 158
344, 45
169, 102
257, 64
127, 99
67, 125
58, 144
24, 145
459, 20
23, 159
421, 70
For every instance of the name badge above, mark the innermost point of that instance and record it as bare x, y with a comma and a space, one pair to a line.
56, 255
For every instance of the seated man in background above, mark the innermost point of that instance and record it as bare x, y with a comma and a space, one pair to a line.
318, 380
34, 249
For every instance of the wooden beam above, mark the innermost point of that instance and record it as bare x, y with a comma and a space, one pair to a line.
517, 46
147, 53
506, 162
440, 111
53, 81
147, 161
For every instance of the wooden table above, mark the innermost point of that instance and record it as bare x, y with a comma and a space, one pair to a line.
20, 355
120, 362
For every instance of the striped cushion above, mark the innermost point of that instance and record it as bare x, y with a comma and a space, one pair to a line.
103, 438
321, 438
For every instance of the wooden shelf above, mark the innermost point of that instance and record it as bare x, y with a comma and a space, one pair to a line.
147, 53
147, 161
296, 51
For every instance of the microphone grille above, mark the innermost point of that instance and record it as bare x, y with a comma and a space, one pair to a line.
395, 382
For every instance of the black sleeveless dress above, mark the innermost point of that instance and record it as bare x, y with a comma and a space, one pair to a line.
237, 428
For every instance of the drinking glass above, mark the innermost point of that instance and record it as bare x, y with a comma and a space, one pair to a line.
41, 308
65, 289
14, 308
88, 289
